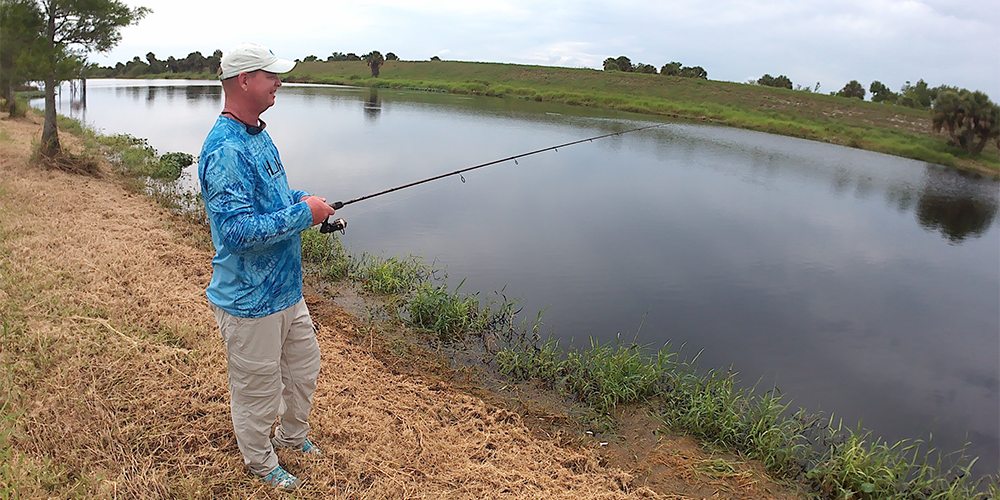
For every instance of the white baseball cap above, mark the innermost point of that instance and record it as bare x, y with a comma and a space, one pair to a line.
252, 57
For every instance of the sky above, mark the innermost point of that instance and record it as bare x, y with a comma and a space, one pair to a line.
948, 42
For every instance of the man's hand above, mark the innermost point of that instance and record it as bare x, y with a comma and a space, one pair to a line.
320, 210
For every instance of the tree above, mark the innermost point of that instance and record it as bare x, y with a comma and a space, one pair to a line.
852, 89
73, 28
155, 66
671, 69
780, 81
624, 64
391, 57
694, 72
645, 68
310, 58
374, 60
917, 96
676, 69
21, 25
621, 63
881, 93
971, 118
435, 58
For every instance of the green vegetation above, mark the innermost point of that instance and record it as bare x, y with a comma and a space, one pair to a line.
781, 81
833, 461
49, 40
971, 118
448, 315
195, 64
377, 275
852, 89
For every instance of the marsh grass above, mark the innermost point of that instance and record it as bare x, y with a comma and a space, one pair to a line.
453, 315
836, 462
392, 275
326, 253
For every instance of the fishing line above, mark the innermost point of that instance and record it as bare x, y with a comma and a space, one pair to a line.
341, 224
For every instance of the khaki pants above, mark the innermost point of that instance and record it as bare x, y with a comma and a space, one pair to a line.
273, 365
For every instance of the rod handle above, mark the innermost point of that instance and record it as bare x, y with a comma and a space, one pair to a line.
336, 225
337, 205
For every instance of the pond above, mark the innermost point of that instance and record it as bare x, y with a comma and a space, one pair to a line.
858, 283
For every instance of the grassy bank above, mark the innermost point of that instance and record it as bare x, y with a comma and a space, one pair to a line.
849, 122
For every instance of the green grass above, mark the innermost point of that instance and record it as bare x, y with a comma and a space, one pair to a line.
833, 461
390, 275
393, 276
449, 315
327, 254
850, 122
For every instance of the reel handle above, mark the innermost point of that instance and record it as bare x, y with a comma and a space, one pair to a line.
337, 225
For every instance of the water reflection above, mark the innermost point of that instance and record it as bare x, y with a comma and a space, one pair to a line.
957, 205
373, 106
149, 95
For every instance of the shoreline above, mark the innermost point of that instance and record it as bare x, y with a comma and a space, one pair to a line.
883, 128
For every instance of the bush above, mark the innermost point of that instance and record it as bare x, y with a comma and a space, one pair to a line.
781, 81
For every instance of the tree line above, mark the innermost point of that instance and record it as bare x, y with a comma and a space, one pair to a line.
623, 63
970, 118
48, 40
917, 96
195, 62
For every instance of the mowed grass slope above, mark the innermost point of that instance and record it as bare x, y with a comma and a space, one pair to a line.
850, 122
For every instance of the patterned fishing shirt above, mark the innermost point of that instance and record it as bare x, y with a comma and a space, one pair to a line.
256, 220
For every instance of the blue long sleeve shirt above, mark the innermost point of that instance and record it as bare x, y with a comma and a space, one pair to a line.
255, 219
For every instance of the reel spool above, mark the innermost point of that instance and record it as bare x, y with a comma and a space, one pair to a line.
337, 225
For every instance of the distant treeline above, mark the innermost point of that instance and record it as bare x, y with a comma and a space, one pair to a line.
622, 63
195, 62
917, 96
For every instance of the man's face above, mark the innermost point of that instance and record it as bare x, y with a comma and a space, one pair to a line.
261, 87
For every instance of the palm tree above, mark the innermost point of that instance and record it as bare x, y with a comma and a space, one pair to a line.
374, 60
968, 116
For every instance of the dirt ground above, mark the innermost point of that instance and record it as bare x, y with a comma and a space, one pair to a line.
115, 380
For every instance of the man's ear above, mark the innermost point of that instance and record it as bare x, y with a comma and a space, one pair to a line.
244, 80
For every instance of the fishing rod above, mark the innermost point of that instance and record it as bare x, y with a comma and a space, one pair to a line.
341, 224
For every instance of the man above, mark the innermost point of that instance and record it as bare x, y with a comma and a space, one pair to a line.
256, 288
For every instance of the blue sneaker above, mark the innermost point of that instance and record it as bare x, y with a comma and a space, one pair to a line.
309, 448
282, 480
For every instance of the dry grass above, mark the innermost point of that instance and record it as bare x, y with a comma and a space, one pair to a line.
115, 386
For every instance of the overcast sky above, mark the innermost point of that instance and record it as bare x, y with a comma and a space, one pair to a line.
832, 42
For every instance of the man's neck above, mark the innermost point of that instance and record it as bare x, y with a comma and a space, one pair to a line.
242, 114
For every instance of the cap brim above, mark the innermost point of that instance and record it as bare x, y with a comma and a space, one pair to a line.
279, 66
